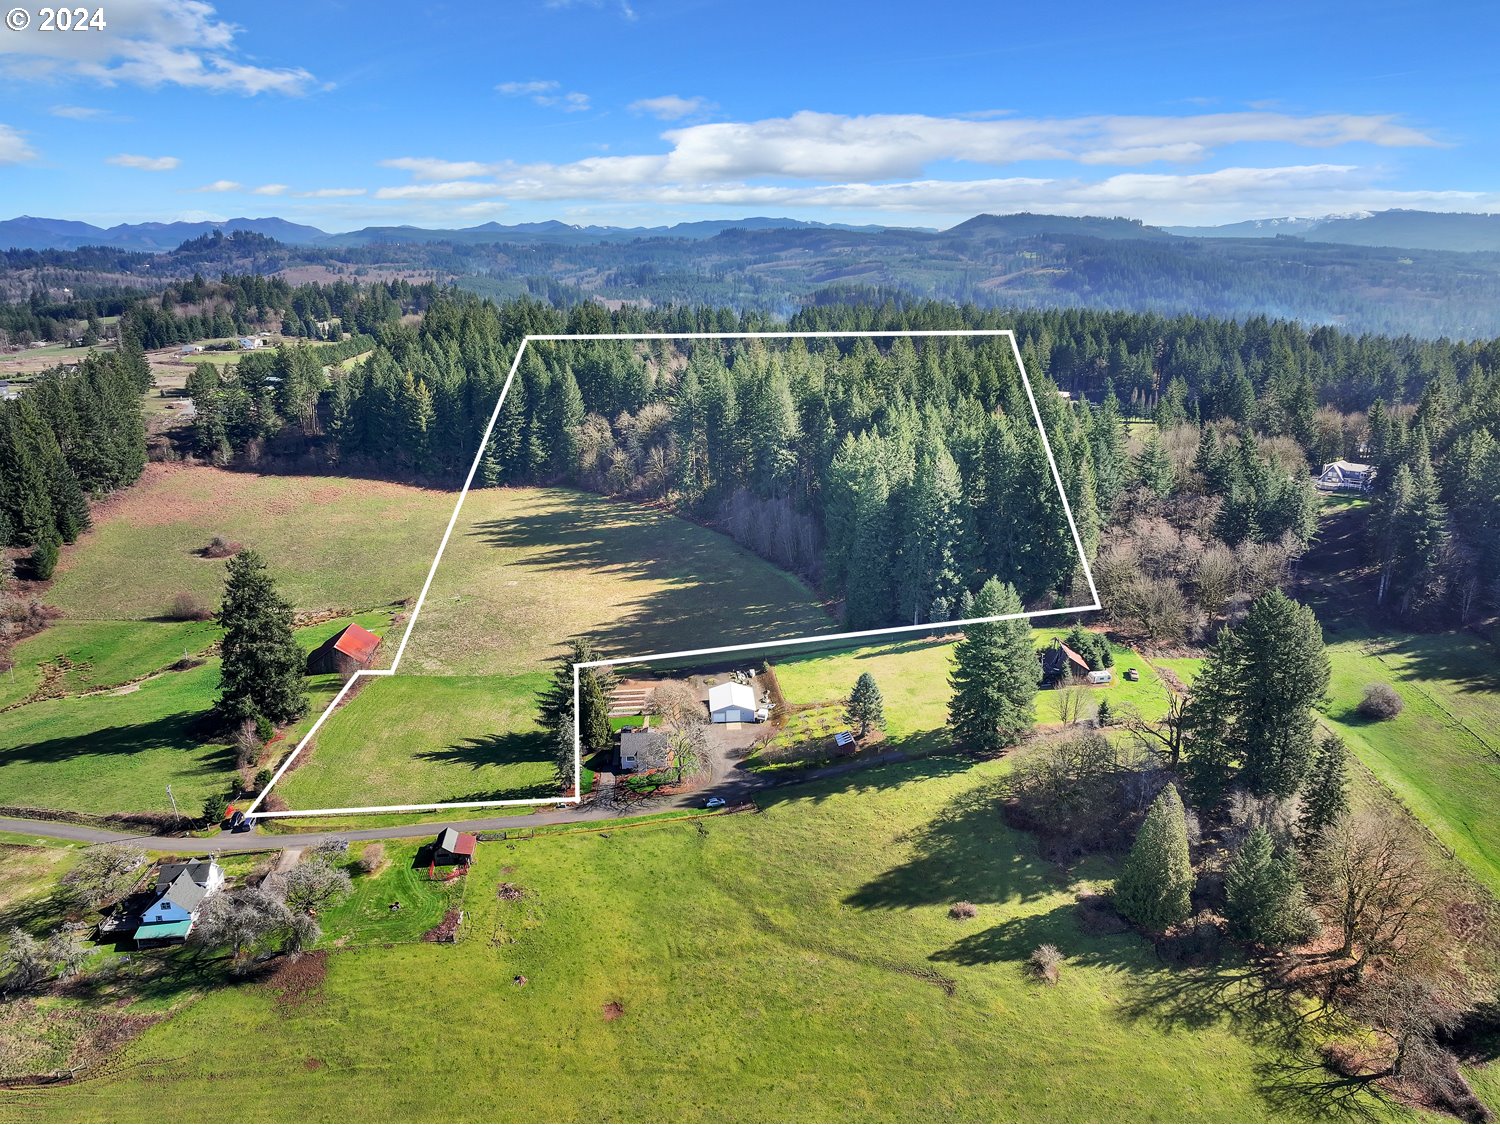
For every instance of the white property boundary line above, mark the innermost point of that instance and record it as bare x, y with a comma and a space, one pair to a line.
252, 814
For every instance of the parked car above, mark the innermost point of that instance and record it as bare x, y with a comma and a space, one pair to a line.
714, 803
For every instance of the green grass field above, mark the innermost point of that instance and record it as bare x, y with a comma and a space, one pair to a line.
525, 570
799, 963
116, 752
1441, 755
332, 542
365, 916
913, 680
82, 656
528, 568
413, 739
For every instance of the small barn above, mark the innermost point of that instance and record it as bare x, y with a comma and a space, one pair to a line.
731, 703
1059, 661
348, 650
1346, 476
453, 848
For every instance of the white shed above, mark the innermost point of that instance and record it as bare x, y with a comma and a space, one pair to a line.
731, 703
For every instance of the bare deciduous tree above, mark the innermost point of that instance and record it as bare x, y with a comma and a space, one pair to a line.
313, 884
1382, 896
240, 920
104, 874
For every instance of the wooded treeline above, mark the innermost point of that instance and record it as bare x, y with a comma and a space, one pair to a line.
903, 474
76, 432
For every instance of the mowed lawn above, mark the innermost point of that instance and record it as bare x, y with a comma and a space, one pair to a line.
413, 739
332, 542
528, 568
799, 964
116, 751
1441, 755
913, 681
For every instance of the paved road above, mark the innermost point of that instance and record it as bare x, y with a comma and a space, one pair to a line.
726, 780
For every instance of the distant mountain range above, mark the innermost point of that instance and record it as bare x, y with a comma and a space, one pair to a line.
1416, 230
30, 233
1410, 230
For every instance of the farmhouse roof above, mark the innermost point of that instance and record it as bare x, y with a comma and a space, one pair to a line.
1073, 657
454, 842
721, 696
357, 642
184, 892
198, 871
158, 931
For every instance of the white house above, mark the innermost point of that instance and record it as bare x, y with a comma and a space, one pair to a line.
1340, 475
181, 889
634, 742
249, 343
731, 703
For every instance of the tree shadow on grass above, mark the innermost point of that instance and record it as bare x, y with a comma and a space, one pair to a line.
859, 778
498, 751
508, 748
966, 853
1295, 1080
1014, 940
186, 730
709, 583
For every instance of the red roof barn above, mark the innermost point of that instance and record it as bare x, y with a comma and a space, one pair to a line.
348, 650
453, 848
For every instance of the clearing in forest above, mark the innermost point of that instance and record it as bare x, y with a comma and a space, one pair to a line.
522, 570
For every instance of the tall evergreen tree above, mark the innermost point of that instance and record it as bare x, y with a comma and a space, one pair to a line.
995, 674
1325, 791
1263, 898
262, 664
1250, 717
1155, 887
865, 707
1283, 674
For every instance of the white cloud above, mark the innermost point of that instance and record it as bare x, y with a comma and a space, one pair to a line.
431, 168
671, 107
810, 145
882, 163
149, 43
517, 89
222, 185
13, 147
144, 163
79, 112
626, 10
452, 189
545, 92
271, 189
329, 193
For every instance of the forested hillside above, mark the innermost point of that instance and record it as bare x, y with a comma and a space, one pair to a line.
900, 475
1016, 261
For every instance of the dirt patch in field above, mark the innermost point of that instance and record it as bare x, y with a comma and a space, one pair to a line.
509, 892
613, 1011
311, 1063
446, 931
297, 980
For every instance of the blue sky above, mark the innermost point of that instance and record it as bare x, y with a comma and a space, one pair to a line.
639, 112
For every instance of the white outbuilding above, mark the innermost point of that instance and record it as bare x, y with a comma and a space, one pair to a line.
731, 703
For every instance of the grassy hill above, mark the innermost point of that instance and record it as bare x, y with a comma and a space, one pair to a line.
528, 568
696, 971
525, 570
